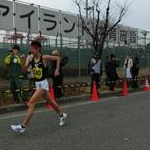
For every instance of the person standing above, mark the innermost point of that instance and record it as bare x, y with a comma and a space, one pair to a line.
128, 65
95, 68
14, 61
135, 72
107, 69
38, 64
58, 80
112, 75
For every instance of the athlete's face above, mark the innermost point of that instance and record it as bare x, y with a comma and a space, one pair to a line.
34, 50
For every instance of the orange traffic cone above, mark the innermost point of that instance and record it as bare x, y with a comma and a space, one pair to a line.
51, 93
146, 87
94, 96
125, 89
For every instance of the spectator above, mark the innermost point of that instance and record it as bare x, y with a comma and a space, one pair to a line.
95, 68
110, 70
107, 69
128, 65
135, 72
14, 61
58, 80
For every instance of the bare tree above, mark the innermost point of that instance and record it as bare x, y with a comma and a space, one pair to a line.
107, 15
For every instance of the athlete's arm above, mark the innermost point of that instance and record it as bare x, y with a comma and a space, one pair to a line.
57, 58
27, 63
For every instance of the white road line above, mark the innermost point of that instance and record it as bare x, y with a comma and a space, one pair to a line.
65, 106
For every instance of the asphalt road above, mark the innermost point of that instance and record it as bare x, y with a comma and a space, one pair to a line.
115, 123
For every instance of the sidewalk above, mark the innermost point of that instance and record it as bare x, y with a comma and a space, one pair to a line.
83, 97
69, 84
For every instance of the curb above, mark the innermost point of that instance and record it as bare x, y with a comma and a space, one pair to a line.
21, 107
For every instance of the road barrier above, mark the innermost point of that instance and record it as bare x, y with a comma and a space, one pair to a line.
86, 84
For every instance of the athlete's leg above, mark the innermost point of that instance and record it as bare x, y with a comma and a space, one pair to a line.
58, 110
53, 103
39, 93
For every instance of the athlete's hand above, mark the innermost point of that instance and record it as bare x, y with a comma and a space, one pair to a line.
56, 72
29, 58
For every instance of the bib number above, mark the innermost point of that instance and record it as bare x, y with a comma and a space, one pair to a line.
37, 73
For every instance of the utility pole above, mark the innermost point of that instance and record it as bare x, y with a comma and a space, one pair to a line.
145, 34
86, 8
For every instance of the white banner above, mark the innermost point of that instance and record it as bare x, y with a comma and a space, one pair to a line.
52, 23
133, 36
49, 22
6, 15
69, 25
26, 18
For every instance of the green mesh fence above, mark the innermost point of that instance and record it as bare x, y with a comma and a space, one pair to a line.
80, 57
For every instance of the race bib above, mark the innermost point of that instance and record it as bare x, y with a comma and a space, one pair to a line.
37, 73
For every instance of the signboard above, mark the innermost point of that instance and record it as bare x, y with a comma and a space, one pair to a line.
6, 15
113, 35
69, 25
49, 22
26, 18
133, 36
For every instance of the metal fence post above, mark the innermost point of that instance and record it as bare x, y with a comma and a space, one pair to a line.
79, 52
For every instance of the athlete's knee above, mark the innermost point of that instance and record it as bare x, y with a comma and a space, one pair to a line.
31, 105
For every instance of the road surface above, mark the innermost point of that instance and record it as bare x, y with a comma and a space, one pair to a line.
114, 123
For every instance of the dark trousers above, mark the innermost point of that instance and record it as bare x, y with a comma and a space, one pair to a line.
111, 83
134, 81
96, 78
57, 86
16, 84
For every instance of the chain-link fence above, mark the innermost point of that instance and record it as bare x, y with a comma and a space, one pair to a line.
61, 30
79, 55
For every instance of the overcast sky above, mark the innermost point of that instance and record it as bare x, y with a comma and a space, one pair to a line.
138, 13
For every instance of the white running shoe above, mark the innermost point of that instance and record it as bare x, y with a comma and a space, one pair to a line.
17, 128
63, 119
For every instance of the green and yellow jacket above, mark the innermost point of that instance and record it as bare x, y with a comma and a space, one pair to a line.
13, 62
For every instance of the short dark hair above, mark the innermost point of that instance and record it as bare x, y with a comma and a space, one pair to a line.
36, 43
16, 47
96, 55
112, 56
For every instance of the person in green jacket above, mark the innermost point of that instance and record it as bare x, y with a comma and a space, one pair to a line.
14, 61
